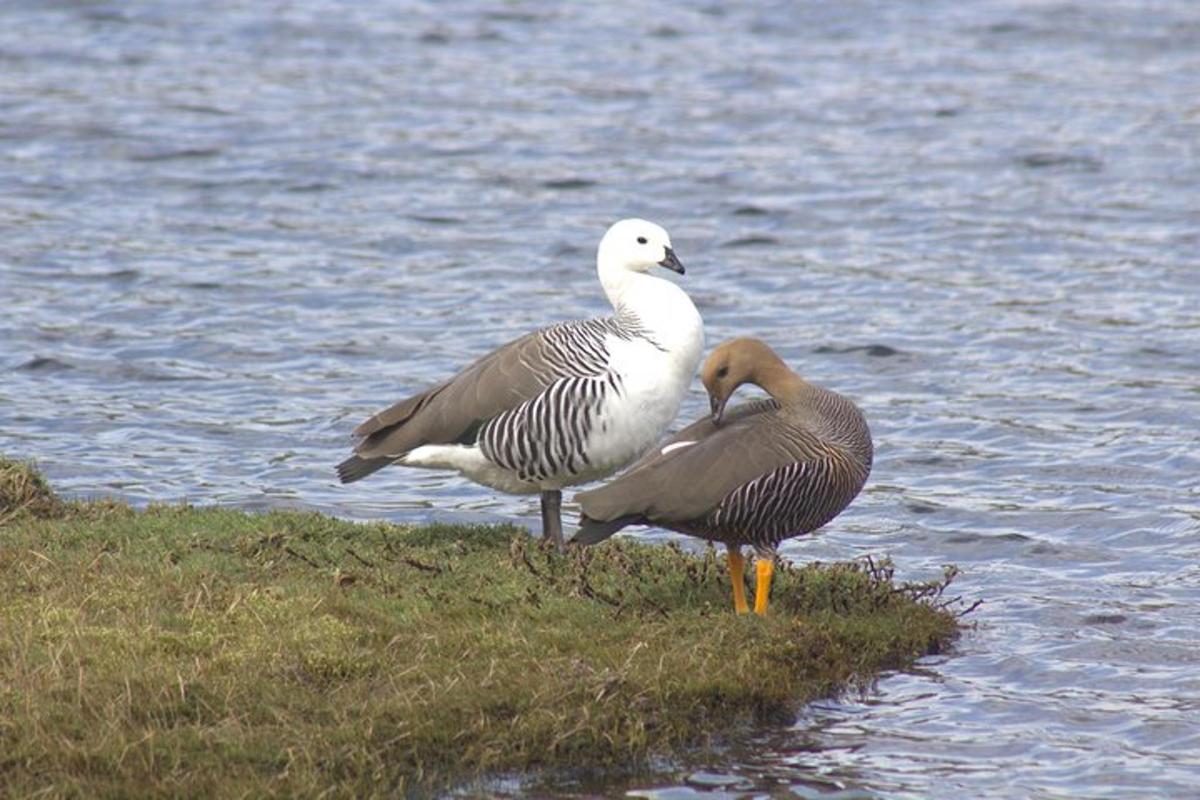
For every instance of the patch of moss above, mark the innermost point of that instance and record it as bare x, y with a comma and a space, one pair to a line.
212, 652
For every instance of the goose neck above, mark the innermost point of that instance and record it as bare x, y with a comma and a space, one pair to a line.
659, 305
785, 386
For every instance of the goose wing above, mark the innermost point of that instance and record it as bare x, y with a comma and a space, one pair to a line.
689, 475
453, 412
764, 474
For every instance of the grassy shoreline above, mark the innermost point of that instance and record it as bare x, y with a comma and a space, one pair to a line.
179, 650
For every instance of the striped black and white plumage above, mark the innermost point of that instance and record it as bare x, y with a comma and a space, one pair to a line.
567, 403
767, 471
547, 437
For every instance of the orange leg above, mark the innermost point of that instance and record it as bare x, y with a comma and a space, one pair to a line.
737, 565
764, 569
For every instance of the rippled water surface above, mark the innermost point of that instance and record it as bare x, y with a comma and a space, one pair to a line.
230, 231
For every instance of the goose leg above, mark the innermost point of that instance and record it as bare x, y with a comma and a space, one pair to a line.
764, 569
737, 566
552, 517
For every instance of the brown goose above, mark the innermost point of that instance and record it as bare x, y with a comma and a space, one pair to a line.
756, 474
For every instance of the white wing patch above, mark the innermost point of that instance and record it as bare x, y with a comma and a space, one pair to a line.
674, 446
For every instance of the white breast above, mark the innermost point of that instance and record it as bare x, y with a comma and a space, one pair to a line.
653, 384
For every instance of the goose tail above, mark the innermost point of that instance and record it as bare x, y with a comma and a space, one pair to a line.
593, 531
355, 468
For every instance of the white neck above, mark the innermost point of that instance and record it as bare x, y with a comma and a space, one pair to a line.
661, 306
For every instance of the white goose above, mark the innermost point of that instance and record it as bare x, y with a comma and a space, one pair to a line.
562, 405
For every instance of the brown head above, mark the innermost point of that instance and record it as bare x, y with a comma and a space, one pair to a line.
743, 360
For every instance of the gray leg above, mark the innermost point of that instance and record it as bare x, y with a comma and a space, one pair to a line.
552, 518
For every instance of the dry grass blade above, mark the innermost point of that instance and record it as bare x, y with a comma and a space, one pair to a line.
23, 490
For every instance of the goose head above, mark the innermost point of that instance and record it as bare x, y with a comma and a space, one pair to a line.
637, 246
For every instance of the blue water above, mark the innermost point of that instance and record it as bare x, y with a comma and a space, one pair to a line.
230, 231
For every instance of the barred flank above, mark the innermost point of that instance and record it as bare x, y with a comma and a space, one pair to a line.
546, 437
793, 499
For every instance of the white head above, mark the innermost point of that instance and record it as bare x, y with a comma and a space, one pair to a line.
637, 246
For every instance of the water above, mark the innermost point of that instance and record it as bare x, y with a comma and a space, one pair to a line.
229, 232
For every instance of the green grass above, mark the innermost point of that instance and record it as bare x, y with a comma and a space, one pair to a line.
184, 651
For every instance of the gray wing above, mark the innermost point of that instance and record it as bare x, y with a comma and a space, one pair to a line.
678, 481
758, 473
454, 412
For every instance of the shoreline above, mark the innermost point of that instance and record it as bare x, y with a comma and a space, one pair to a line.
192, 650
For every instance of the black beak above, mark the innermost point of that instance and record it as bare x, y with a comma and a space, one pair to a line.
671, 262
718, 408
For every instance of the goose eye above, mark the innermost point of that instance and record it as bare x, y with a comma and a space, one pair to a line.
641, 240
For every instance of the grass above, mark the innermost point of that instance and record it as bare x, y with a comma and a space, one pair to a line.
185, 651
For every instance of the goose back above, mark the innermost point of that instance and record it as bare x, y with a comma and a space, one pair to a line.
768, 472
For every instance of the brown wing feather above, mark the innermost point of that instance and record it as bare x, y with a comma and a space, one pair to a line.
689, 482
452, 410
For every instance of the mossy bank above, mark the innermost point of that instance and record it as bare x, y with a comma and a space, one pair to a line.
210, 652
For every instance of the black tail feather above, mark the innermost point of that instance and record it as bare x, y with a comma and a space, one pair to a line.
592, 531
354, 468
